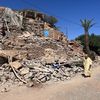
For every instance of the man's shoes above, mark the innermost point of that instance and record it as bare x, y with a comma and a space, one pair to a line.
87, 76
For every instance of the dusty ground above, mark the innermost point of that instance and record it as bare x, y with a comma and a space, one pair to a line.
78, 88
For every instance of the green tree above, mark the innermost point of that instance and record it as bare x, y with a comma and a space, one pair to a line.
94, 42
87, 24
53, 20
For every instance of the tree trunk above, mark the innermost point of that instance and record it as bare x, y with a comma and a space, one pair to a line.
87, 42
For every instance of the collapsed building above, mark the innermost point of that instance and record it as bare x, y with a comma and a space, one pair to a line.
26, 20
26, 54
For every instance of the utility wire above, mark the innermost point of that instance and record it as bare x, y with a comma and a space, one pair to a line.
33, 5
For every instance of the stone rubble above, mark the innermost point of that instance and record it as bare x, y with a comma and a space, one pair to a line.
27, 58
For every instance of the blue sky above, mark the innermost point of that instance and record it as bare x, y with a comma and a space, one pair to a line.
68, 12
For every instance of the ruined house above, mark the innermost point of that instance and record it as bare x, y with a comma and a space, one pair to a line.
37, 22
26, 55
27, 21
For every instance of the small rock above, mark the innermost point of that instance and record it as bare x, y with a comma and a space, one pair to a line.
15, 64
24, 71
43, 79
28, 75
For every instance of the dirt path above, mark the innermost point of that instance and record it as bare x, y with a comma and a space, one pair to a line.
78, 88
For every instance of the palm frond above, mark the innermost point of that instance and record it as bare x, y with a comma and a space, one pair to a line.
87, 24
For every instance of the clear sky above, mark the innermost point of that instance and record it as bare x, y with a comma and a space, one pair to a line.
68, 12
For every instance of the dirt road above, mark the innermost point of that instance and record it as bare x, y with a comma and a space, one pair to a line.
78, 88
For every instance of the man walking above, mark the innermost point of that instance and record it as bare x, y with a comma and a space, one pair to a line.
87, 66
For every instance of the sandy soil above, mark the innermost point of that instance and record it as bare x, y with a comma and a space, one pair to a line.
79, 88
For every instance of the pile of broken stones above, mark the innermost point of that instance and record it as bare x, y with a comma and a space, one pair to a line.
36, 67
29, 60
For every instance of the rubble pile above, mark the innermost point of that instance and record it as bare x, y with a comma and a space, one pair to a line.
28, 57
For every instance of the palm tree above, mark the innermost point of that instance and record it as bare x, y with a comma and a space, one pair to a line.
87, 24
